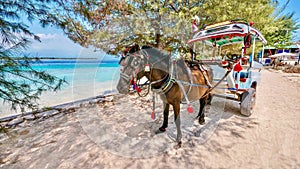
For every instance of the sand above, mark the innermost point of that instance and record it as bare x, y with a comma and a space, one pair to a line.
71, 93
120, 134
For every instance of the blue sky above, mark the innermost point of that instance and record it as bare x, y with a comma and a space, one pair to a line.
294, 6
56, 44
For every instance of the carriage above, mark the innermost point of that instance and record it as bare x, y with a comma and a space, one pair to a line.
178, 80
242, 71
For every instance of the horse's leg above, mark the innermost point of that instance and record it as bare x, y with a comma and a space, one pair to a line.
209, 98
166, 116
201, 112
176, 108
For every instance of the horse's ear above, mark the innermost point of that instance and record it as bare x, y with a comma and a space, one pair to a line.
122, 58
137, 47
134, 48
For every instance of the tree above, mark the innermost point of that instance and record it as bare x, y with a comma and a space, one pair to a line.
114, 24
285, 24
20, 84
166, 24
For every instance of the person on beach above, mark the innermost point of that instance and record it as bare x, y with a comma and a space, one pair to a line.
273, 62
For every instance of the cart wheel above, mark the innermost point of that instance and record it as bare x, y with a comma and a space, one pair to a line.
248, 102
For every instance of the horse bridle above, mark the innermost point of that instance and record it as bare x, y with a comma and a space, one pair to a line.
129, 58
145, 57
122, 74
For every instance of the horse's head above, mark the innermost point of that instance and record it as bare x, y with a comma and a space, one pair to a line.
133, 66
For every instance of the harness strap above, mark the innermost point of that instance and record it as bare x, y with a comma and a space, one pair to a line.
205, 76
210, 89
125, 76
166, 86
160, 80
169, 83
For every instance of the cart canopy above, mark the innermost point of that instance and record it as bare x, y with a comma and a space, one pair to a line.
228, 32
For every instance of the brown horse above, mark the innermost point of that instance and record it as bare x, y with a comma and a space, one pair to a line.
172, 79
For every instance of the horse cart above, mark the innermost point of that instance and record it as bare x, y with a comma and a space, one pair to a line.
242, 70
178, 80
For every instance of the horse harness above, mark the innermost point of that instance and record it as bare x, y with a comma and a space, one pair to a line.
165, 87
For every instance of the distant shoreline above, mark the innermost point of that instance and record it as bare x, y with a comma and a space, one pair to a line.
76, 59
60, 58
55, 58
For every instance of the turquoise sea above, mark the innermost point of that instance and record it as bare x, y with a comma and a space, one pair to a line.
86, 78
80, 70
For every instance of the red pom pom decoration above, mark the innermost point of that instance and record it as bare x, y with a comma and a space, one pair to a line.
138, 89
190, 109
153, 115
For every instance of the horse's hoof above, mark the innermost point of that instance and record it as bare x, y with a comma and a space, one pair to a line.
178, 145
160, 130
201, 121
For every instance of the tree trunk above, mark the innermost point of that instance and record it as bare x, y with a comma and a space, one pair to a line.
157, 40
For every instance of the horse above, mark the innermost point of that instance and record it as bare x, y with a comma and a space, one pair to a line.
167, 80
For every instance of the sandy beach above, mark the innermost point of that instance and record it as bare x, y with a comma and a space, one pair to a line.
120, 134
70, 94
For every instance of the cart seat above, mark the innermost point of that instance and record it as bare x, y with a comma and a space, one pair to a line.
243, 76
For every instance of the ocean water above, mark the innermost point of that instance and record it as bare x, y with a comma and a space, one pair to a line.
80, 70
85, 78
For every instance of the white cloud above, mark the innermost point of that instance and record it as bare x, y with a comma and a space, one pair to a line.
47, 36
54, 45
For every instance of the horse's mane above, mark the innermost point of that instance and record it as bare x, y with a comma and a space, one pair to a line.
159, 59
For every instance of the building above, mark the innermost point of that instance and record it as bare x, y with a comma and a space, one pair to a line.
265, 59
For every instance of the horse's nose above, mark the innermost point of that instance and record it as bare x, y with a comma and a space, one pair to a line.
122, 89
119, 89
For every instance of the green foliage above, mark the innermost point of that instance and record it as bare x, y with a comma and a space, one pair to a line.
20, 84
285, 27
166, 24
267, 15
